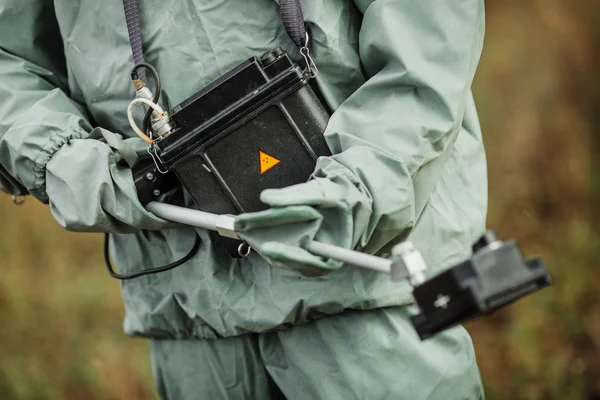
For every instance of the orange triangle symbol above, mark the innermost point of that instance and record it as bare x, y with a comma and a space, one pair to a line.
267, 162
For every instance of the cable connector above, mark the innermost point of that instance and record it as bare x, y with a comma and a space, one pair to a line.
137, 83
407, 263
157, 110
161, 124
143, 92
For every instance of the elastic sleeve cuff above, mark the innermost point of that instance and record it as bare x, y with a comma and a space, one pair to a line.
91, 189
50, 148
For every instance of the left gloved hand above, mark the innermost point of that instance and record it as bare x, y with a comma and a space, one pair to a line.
333, 209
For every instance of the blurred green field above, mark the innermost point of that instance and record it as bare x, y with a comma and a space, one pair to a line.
538, 94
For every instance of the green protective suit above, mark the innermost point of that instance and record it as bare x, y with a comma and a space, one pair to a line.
408, 163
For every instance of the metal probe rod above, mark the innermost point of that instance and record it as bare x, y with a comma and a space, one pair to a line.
201, 219
351, 257
186, 216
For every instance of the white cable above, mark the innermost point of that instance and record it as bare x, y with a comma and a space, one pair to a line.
134, 126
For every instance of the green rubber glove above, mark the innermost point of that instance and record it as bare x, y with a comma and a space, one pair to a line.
331, 210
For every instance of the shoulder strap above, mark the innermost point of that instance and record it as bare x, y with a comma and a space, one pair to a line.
132, 16
293, 21
290, 10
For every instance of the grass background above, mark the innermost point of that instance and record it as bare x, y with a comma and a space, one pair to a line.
538, 95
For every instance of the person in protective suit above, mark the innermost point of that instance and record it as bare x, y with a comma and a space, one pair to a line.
408, 162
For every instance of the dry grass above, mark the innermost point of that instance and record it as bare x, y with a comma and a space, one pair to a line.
60, 315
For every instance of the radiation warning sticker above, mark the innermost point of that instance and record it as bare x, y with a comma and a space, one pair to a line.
267, 161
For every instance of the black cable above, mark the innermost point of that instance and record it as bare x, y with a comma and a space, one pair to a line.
150, 271
157, 89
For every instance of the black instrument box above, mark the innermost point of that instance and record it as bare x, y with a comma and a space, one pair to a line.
259, 126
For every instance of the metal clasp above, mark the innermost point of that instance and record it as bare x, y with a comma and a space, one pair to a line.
18, 200
156, 158
244, 250
310, 63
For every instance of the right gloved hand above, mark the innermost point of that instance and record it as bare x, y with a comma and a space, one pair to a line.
327, 209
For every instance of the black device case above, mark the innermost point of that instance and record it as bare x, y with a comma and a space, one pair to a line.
260, 126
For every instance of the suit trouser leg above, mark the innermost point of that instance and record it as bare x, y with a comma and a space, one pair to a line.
371, 355
211, 369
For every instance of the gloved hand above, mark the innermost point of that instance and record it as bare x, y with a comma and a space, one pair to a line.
332, 208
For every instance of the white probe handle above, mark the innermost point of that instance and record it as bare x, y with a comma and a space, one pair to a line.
224, 224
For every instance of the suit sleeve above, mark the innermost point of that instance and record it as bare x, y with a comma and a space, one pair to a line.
391, 137
47, 145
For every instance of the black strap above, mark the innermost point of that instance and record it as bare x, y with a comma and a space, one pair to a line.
293, 21
132, 16
290, 10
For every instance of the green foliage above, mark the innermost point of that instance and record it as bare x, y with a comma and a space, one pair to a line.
60, 314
